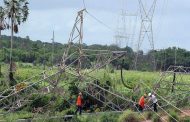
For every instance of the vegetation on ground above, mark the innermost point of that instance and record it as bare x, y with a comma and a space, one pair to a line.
174, 116
130, 116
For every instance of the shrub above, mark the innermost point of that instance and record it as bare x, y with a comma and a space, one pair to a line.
70, 111
108, 118
74, 119
88, 118
112, 70
174, 116
184, 102
156, 118
149, 115
40, 101
186, 119
73, 89
61, 104
129, 116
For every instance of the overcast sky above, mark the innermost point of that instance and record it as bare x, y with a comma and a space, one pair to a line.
170, 23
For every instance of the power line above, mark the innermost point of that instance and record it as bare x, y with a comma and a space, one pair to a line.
95, 18
98, 20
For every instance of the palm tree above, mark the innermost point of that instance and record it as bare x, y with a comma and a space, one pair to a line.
2, 26
17, 13
2, 20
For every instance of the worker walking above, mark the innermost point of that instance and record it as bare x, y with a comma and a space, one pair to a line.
79, 104
141, 103
154, 100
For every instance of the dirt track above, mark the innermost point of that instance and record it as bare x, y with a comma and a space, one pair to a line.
185, 114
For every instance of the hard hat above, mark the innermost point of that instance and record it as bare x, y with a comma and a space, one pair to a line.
149, 94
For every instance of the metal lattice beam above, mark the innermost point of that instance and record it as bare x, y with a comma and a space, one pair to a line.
146, 29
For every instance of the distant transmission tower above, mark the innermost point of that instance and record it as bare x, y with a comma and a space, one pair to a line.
122, 35
146, 29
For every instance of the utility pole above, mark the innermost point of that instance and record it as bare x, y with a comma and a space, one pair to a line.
175, 55
53, 39
146, 29
44, 57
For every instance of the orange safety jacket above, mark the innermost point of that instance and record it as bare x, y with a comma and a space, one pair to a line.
142, 102
79, 101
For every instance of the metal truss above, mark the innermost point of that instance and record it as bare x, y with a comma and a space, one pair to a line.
108, 96
146, 29
46, 82
174, 84
19, 95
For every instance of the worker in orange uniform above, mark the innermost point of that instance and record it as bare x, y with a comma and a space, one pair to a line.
142, 103
79, 104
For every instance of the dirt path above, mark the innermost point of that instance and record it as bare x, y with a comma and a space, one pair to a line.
185, 114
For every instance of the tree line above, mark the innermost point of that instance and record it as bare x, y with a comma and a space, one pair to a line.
38, 52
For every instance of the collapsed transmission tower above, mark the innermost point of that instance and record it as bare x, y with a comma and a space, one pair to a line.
76, 34
76, 63
146, 28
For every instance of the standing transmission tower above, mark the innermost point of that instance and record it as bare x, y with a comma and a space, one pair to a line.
123, 32
146, 30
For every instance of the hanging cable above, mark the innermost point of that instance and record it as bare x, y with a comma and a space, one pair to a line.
98, 20
122, 79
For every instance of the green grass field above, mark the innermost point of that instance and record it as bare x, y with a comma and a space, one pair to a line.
131, 78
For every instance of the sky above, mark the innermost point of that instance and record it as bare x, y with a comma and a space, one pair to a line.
170, 22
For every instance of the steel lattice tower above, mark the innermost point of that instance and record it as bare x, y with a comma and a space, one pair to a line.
146, 29
122, 34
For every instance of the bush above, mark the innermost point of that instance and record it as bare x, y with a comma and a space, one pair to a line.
40, 101
174, 116
112, 70
156, 118
129, 116
184, 102
108, 118
186, 119
61, 104
88, 119
149, 115
74, 119
70, 111
73, 89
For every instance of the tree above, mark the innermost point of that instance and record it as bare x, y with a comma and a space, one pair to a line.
2, 20
17, 13
2, 25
